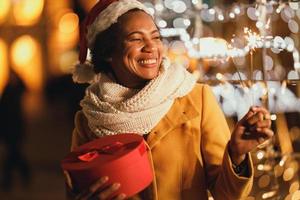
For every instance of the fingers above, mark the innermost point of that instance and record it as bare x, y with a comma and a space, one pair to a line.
249, 114
98, 190
109, 191
266, 133
92, 189
68, 180
98, 184
260, 118
264, 138
120, 197
260, 124
259, 136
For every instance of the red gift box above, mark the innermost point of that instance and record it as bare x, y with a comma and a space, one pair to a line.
123, 158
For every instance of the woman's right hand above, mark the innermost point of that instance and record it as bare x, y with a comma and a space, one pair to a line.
97, 191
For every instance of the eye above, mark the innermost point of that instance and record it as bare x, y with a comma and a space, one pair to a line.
157, 37
135, 40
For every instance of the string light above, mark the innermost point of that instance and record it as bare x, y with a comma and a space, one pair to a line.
253, 41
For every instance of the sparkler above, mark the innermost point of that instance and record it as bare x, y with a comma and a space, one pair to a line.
253, 39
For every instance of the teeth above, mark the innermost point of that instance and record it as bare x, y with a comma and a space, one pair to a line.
148, 61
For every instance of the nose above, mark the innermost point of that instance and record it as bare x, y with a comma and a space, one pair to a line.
149, 46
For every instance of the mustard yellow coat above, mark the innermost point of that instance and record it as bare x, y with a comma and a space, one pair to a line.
189, 151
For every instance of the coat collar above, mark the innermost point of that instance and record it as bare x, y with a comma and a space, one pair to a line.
182, 110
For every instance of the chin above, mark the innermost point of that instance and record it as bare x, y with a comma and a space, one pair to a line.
151, 75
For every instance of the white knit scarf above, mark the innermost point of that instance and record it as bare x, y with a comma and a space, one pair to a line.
111, 108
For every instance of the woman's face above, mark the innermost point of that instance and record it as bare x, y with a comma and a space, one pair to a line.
138, 55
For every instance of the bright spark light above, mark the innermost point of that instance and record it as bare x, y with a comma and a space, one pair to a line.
252, 38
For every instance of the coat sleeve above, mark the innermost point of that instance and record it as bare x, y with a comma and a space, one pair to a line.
81, 133
223, 183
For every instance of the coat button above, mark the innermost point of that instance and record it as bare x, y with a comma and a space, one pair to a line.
185, 124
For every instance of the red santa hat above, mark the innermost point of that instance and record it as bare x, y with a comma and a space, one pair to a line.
101, 16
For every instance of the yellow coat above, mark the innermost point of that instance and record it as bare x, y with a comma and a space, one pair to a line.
189, 151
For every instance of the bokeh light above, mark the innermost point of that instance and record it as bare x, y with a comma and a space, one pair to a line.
213, 46
28, 12
68, 23
67, 61
264, 181
27, 61
294, 187
4, 10
67, 32
296, 195
288, 174
3, 65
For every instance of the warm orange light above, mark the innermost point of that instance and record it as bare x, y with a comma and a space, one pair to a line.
67, 34
68, 23
27, 12
23, 50
3, 65
67, 60
4, 9
27, 61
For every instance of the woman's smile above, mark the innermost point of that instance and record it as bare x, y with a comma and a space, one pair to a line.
148, 62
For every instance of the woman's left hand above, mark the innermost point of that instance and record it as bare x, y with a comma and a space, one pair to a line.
252, 130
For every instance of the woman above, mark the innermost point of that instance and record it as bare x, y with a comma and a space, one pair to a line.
137, 90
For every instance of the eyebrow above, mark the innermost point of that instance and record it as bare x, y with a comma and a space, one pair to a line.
139, 32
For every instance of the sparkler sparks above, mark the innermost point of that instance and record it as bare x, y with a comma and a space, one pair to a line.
252, 38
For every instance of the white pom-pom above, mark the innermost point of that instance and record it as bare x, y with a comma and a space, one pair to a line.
83, 73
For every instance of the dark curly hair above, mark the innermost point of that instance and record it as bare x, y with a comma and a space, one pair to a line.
104, 45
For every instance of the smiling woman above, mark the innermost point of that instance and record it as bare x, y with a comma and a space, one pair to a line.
139, 52
135, 89
136, 55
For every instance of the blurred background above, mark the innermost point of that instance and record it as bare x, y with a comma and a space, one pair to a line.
248, 51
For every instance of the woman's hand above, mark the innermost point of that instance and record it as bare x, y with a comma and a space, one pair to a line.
252, 130
95, 191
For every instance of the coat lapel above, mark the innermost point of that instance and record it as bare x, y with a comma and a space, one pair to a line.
182, 110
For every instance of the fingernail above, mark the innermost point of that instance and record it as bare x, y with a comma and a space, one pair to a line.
104, 179
253, 108
116, 185
261, 140
122, 196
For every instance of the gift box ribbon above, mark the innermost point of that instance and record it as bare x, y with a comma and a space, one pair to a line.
108, 149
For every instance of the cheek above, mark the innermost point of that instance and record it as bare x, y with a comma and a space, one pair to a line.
130, 53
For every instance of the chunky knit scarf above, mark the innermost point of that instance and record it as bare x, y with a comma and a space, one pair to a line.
114, 109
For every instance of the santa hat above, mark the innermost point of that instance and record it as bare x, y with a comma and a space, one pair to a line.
102, 16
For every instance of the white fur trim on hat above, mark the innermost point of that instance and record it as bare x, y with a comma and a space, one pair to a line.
83, 73
110, 16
